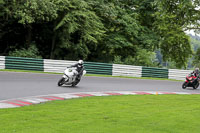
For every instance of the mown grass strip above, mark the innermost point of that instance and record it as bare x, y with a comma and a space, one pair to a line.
111, 114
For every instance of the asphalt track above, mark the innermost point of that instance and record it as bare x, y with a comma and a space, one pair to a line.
18, 85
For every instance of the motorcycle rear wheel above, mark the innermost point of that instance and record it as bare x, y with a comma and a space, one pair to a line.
184, 85
196, 85
75, 83
61, 81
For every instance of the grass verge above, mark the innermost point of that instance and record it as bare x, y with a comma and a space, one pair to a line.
112, 114
27, 71
96, 75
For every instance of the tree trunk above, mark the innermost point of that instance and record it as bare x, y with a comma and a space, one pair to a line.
29, 35
52, 55
5, 52
53, 46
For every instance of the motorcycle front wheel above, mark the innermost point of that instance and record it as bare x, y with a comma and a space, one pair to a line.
184, 85
61, 81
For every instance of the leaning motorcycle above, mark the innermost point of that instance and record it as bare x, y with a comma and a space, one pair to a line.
191, 81
70, 77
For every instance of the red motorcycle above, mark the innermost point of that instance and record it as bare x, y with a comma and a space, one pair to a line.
191, 81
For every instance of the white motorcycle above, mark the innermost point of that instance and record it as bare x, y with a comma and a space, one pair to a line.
70, 77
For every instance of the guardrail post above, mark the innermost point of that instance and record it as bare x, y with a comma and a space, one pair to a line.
2, 62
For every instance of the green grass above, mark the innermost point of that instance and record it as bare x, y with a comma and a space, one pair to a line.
111, 114
27, 71
131, 77
96, 75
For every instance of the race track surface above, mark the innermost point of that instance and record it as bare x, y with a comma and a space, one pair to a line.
17, 85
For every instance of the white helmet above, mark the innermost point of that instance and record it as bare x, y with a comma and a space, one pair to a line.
80, 62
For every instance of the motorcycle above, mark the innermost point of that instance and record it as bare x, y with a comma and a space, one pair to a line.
70, 77
191, 81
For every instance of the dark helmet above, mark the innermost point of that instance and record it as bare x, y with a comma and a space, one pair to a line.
80, 62
196, 70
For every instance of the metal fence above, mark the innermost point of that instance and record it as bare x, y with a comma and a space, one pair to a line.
154, 72
23, 63
58, 66
127, 70
178, 74
98, 68
2, 62
91, 67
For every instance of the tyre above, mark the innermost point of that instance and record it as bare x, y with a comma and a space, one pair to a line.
75, 83
196, 85
184, 85
61, 82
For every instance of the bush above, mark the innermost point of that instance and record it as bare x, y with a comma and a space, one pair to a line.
31, 52
142, 58
117, 60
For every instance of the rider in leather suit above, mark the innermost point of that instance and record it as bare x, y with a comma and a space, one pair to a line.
79, 67
196, 72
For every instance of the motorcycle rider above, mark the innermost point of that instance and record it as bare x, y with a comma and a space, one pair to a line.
80, 68
195, 80
196, 72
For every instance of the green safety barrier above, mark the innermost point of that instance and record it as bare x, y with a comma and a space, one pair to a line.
22, 63
154, 72
98, 68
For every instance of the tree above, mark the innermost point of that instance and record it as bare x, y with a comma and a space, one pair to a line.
79, 29
125, 33
19, 19
34, 12
196, 61
57, 27
172, 19
101, 30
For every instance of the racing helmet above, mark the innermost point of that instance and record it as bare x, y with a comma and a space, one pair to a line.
80, 62
196, 70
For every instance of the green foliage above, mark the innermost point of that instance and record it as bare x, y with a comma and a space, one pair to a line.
117, 60
124, 31
196, 61
145, 58
173, 17
31, 52
176, 47
142, 58
35, 11
81, 27
195, 43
